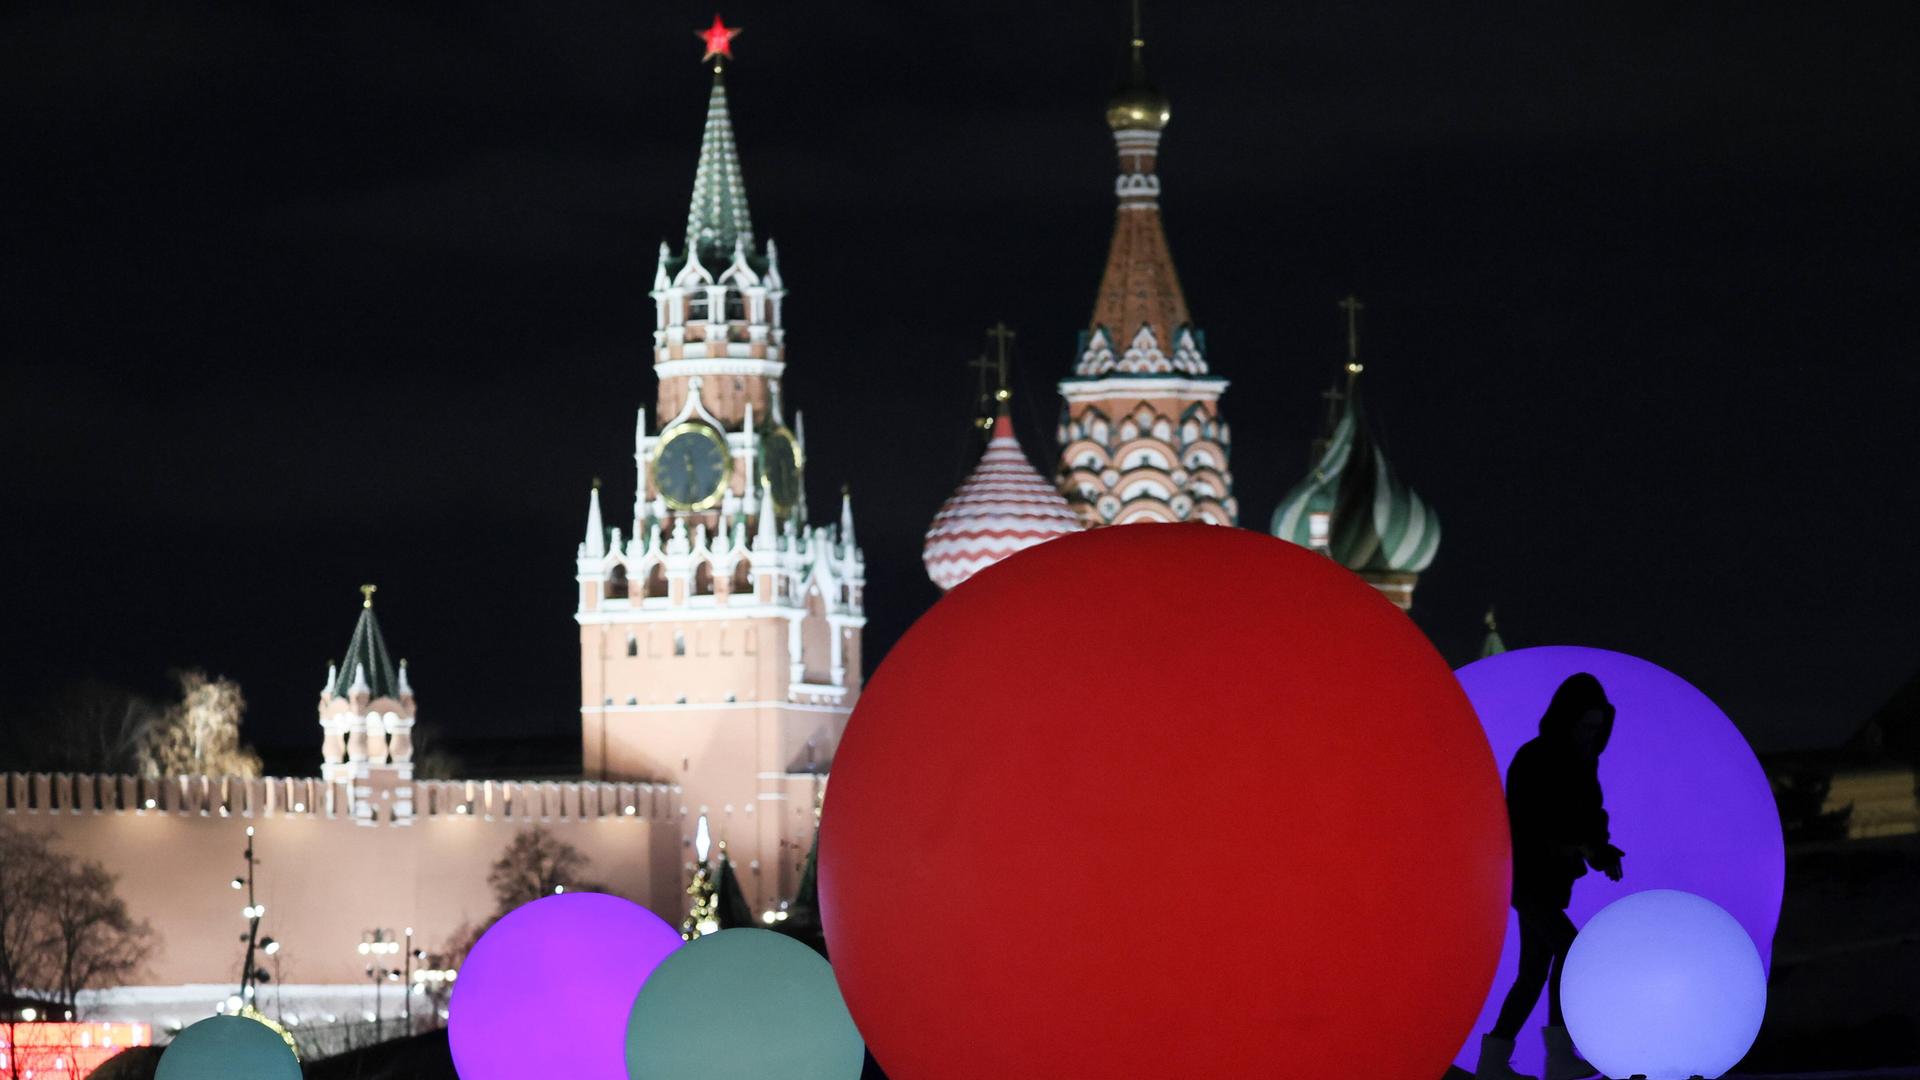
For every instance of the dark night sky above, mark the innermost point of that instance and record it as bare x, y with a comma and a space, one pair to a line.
298, 300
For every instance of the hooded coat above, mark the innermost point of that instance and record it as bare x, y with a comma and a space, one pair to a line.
1554, 803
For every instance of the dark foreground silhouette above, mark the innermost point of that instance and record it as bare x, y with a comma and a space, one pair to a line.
1558, 819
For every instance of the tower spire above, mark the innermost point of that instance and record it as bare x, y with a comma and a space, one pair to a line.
367, 658
1141, 330
594, 545
1140, 291
717, 218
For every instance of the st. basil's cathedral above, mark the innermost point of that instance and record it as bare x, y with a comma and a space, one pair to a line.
1142, 437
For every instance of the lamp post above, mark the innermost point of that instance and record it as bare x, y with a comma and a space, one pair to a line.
272, 948
378, 943
249, 973
406, 981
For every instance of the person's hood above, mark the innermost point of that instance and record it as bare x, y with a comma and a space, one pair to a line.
1571, 701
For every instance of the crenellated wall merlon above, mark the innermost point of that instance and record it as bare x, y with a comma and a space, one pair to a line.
312, 797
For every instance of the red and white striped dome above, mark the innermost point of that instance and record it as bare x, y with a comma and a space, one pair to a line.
1004, 506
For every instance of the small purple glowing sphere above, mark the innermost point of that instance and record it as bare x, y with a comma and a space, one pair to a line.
1686, 799
547, 989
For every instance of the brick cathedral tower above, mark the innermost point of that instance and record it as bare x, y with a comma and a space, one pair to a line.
1142, 438
720, 634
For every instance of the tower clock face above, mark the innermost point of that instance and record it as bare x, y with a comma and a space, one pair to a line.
692, 466
780, 466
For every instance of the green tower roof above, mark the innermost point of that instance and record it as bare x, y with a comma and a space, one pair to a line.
367, 651
717, 219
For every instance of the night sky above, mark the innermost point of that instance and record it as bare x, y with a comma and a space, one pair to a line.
297, 300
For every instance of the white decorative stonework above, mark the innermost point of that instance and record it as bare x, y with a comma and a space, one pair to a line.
1132, 186
1186, 354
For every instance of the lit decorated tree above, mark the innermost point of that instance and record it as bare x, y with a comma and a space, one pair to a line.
200, 735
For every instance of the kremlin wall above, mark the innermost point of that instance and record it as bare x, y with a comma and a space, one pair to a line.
326, 874
719, 625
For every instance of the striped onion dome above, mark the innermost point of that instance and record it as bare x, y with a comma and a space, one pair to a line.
1355, 508
1004, 506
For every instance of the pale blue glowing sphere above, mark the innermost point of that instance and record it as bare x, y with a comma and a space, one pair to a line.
1663, 984
228, 1048
746, 1003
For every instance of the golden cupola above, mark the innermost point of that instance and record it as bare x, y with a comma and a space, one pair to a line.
1136, 105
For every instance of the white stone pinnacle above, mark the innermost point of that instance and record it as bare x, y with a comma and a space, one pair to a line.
595, 545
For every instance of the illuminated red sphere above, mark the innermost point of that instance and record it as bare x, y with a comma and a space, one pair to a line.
1166, 800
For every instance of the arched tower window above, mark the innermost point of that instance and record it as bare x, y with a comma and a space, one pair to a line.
617, 584
657, 581
633, 645
679, 643
816, 639
743, 578
703, 579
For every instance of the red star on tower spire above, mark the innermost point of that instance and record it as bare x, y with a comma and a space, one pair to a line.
719, 38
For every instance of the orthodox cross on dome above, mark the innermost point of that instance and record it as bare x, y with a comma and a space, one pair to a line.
1002, 337
719, 41
366, 595
1352, 306
981, 395
1334, 396
994, 402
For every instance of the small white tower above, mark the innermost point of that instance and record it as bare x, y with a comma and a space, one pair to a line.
366, 720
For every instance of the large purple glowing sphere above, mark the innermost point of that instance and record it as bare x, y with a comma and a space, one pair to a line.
547, 989
1686, 799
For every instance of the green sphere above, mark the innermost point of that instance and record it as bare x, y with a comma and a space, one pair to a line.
749, 1003
228, 1048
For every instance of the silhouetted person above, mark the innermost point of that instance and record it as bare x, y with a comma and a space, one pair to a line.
1559, 828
